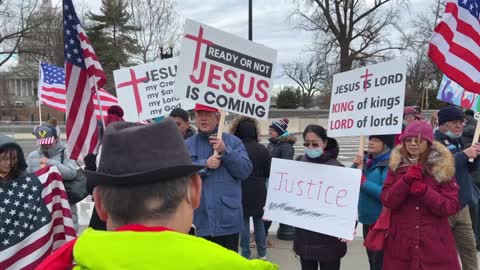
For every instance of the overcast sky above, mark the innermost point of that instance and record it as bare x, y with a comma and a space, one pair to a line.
273, 25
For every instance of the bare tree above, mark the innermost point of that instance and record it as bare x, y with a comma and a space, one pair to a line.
423, 76
311, 76
15, 23
159, 26
355, 31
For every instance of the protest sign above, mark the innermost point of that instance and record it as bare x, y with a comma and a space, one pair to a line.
146, 91
224, 71
451, 92
368, 100
315, 197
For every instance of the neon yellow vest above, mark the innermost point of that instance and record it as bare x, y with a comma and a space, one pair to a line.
167, 250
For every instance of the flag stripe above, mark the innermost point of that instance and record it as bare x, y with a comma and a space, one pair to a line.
455, 44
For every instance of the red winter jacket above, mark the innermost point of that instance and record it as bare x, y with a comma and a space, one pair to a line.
420, 237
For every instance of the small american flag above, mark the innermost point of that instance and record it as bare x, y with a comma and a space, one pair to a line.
35, 219
83, 74
53, 94
455, 44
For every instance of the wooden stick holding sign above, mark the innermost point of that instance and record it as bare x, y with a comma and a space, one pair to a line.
361, 149
221, 125
477, 132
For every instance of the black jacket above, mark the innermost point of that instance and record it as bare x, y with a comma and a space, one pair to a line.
282, 147
254, 189
317, 246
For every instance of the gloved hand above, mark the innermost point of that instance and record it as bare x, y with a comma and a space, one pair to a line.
418, 188
413, 173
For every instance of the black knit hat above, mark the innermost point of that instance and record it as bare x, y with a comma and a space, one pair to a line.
450, 113
280, 126
388, 140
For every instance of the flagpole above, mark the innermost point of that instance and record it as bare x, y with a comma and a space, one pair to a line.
98, 101
38, 91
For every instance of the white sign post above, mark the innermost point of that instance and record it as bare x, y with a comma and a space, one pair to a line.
368, 100
146, 91
224, 71
315, 197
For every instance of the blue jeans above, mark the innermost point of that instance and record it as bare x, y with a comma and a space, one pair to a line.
260, 237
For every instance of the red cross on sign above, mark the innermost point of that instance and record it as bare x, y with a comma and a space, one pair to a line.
366, 78
199, 41
134, 82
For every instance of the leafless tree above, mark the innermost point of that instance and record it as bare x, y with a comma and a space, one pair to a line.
353, 31
423, 76
312, 77
15, 23
159, 26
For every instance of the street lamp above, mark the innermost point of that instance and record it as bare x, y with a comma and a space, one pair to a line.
167, 52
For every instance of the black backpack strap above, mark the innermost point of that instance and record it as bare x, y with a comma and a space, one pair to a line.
62, 159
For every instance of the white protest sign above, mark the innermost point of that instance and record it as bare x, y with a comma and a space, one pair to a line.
315, 197
224, 71
368, 100
146, 91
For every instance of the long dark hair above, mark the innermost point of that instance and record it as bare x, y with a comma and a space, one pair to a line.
19, 167
318, 130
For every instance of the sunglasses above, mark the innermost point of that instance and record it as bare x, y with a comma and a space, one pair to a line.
314, 144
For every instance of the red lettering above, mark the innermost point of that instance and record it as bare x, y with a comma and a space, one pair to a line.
310, 184
201, 75
241, 86
261, 85
291, 186
300, 193
343, 107
319, 190
281, 180
225, 87
345, 193
326, 194
212, 76
341, 124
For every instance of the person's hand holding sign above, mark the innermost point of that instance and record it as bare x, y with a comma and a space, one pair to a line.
213, 162
218, 144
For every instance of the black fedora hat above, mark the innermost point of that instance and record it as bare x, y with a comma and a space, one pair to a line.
134, 154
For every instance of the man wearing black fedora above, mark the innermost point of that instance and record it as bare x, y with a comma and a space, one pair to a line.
220, 216
146, 189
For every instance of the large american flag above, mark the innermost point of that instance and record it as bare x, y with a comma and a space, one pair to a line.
35, 219
82, 73
53, 94
455, 44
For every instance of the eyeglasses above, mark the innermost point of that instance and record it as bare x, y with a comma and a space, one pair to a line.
314, 144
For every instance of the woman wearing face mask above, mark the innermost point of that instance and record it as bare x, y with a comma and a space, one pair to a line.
374, 171
422, 193
313, 248
12, 160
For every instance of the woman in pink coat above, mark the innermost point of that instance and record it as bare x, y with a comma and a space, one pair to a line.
422, 193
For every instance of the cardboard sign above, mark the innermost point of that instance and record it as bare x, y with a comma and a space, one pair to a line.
451, 92
315, 197
224, 71
146, 91
368, 100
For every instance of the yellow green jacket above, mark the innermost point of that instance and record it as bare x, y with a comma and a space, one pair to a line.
148, 250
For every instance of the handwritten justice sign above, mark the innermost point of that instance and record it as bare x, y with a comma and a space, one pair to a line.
315, 197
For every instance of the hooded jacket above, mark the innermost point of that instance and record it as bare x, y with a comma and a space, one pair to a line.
420, 237
282, 147
317, 246
463, 169
21, 165
254, 189
67, 168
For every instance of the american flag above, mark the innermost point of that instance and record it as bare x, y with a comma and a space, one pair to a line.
35, 219
53, 94
82, 73
455, 44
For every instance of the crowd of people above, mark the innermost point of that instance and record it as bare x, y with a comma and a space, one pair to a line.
184, 198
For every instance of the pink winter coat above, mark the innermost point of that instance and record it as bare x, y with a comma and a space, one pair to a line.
420, 237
